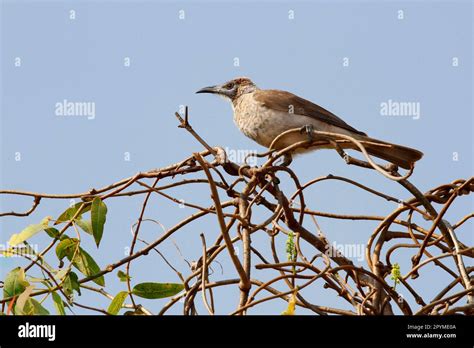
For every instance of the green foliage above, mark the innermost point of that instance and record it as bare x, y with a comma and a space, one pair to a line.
32, 307
85, 225
25, 305
71, 283
98, 217
29, 232
70, 212
58, 304
395, 275
21, 301
117, 302
157, 290
123, 276
290, 247
69, 247
87, 266
94, 226
52, 232
15, 283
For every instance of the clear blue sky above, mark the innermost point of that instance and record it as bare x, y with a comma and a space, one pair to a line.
404, 60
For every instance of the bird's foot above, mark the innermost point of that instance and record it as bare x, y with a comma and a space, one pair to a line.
287, 159
308, 130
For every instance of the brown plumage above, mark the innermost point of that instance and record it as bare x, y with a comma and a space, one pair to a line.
292, 104
262, 115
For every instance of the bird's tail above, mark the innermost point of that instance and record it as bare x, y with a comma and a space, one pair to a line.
400, 155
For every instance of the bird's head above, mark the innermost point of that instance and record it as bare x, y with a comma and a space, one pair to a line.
232, 89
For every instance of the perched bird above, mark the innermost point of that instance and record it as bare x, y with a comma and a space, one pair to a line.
262, 115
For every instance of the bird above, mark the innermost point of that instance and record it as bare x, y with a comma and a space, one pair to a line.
264, 114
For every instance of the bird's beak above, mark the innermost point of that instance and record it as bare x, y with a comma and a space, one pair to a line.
210, 89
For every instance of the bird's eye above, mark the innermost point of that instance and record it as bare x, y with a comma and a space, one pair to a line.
229, 86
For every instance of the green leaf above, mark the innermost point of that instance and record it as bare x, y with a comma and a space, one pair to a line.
87, 266
58, 304
157, 290
62, 273
71, 211
98, 217
117, 302
15, 283
395, 275
32, 307
82, 260
52, 232
291, 252
25, 295
71, 282
29, 232
123, 276
67, 247
85, 225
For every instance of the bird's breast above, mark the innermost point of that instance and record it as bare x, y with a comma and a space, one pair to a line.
263, 124
256, 121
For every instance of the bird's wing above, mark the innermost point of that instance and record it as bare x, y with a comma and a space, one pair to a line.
283, 101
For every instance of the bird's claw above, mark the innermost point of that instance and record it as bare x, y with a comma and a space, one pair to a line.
287, 159
308, 130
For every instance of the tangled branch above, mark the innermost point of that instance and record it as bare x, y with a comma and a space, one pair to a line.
366, 290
